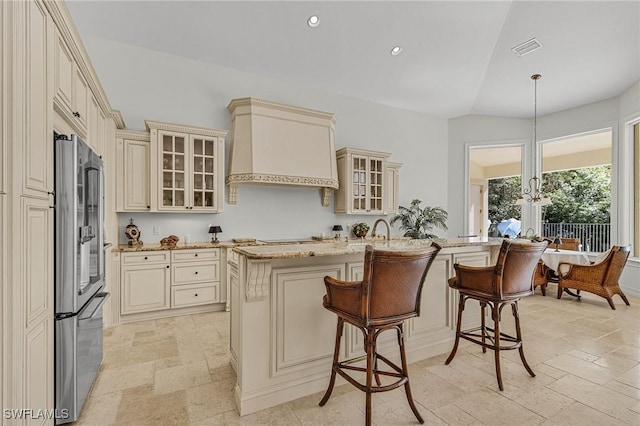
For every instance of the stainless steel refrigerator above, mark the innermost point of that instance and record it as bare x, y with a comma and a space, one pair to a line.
79, 273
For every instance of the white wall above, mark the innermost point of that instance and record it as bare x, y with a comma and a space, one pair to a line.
146, 84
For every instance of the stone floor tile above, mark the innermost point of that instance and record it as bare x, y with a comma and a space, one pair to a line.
337, 411
452, 415
545, 402
181, 377
210, 399
494, 409
631, 377
121, 378
102, 410
579, 414
140, 406
597, 397
586, 370
279, 415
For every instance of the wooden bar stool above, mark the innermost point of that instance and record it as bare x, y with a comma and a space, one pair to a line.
388, 294
497, 286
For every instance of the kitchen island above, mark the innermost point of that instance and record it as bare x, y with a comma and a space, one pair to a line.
282, 338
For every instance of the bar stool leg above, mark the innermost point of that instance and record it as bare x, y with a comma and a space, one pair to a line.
336, 355
483, 329
458, 325
516, 315
405, 372
370, 345
495, 313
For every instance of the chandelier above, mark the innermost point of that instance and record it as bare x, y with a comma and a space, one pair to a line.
533, 194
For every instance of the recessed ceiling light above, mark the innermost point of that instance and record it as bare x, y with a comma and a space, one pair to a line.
527, 47
396, 51
313, 21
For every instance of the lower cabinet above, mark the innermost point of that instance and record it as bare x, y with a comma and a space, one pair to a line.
145, 282
164, 280
195, 277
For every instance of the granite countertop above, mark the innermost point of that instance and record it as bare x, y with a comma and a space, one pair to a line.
183, 246
336, 248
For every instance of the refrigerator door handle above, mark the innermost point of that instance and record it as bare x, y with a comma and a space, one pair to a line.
102, 295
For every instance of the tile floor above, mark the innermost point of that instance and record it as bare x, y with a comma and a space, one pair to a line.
587, 359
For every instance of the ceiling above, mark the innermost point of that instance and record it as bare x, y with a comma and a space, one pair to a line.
456, 58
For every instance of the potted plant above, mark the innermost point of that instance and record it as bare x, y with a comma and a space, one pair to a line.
360, 229
418, 222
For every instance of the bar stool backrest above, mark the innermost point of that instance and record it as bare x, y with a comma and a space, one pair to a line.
513, 273
393, 282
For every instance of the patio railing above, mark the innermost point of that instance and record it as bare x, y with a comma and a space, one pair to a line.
594, 237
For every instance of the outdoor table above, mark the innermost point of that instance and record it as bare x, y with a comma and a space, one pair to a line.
553, 258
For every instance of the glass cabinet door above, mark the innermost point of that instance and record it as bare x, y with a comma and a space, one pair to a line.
203, 172
173, 170
359, 183
376, 175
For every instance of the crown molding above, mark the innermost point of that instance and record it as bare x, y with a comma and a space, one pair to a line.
181, 128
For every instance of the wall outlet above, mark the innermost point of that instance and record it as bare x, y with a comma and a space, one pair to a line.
156, 230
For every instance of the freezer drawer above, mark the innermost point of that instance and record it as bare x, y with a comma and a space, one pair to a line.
78, 357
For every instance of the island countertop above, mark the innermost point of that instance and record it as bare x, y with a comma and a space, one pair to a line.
337, 248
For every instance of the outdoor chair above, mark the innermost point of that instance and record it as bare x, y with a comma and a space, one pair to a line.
600, 278
541, 277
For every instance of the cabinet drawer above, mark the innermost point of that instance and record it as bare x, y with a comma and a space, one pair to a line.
189, 273
196, 254
194, 295
141, 258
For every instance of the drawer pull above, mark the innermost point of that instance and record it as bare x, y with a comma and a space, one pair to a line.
145, 258
196, 294
196, 272
196, 254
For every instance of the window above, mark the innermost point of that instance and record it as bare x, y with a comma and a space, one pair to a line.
494, 185
576, 175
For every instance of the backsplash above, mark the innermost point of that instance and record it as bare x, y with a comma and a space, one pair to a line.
262, 213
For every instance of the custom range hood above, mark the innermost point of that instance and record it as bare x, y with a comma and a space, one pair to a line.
278, 144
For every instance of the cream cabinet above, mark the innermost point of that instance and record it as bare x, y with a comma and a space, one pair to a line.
187, 168
392, 183
364, 182
133, 156
195, 277
169, 279
145, 282
37, 270
72, 94
36, 151
45, 78
95, 127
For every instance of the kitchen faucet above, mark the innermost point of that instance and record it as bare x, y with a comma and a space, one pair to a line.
373, 233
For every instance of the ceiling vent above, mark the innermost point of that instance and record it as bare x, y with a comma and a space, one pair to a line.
527, 47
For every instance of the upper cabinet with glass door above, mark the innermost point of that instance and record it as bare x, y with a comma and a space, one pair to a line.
189, 168
364, 186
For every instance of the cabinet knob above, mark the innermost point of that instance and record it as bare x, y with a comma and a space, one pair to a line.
167, 266
76, 114
145, 258
196, 294
196, 272
196, 254
149, 207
